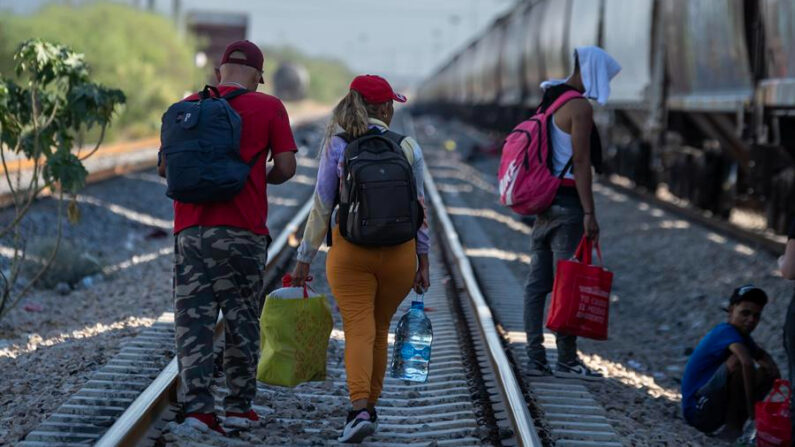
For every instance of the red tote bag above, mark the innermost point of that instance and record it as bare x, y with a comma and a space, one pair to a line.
581, 295
773, 427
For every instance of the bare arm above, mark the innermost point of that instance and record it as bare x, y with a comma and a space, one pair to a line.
787, 262
747, 366
766, 361
283, 168
581, 126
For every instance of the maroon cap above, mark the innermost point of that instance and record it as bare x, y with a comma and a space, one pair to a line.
252, 52
375, 89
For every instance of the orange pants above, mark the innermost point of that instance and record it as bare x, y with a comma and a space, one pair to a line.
369, 283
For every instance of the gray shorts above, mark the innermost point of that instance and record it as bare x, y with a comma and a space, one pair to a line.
711, 400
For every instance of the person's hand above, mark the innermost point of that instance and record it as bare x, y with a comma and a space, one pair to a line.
300, 273
591, 228
422, 277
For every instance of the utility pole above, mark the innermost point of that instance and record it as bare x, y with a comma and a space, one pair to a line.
176, 15
176, 7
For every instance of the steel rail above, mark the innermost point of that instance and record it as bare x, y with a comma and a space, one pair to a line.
134, 423
508, 384
771, 244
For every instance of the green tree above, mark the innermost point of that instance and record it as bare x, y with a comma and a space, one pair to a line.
40, 117
139, 52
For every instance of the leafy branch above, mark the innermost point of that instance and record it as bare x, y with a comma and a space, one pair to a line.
40, 119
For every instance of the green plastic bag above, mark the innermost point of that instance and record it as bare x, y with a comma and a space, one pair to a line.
294, 335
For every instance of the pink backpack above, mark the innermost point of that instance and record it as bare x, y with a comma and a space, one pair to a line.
526, 181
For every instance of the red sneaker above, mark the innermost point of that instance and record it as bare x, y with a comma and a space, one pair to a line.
204, 422
241, 420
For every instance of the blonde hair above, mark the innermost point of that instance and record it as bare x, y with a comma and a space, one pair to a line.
351, 114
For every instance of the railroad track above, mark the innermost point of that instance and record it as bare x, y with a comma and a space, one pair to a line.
564, 411
476, 393
111, 161
472, 396
774, 245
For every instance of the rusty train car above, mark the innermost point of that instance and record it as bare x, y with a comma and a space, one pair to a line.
705, 102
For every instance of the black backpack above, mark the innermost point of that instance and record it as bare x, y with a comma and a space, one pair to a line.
201, 145
378, 203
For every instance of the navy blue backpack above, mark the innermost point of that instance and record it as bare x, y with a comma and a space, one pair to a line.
201, 148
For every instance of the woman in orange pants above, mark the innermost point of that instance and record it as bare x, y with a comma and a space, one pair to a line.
368, 282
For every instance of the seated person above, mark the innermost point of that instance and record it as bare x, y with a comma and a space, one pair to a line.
727, 373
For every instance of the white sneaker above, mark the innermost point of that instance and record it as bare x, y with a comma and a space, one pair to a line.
241, 421
204, 422
357, 427
576, 370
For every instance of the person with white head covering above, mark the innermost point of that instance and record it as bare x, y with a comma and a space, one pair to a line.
558, 230
596, 68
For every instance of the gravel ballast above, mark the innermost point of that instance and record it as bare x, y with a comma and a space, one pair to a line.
672, 278
52, 342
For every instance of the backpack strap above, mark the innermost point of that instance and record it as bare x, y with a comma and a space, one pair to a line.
234, 94
550, 111
569, 165
254, 159
207, 92
394, 137
561, 100
399, 139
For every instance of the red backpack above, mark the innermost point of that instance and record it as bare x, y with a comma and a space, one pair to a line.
526, 181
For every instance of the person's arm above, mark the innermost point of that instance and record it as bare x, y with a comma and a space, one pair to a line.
422, 279
282, 145
283, 168
787, 262
581, 125
747, 367
766, 361
323, 202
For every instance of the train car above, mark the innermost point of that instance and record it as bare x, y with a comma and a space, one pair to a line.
774, 148
215, 31
632, 126
710, 88
703, 105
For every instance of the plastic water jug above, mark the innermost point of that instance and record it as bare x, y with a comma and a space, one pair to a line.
412, 350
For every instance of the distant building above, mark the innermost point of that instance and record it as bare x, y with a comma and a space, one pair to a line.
215, 31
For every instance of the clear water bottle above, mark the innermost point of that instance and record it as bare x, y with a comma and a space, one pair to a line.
412, 351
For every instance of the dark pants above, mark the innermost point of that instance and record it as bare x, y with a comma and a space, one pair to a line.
556, 233
722, 400
711, 402
789, 345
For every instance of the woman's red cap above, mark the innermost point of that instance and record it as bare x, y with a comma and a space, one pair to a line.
375, 89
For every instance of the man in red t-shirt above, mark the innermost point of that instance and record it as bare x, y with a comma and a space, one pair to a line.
221, 249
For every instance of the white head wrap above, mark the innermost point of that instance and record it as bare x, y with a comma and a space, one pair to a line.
597, 68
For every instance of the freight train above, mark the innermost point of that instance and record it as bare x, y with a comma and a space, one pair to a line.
704, 105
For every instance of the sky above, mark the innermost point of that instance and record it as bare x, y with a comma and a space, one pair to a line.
404, 40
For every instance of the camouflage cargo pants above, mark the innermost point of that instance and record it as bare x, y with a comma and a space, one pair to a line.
218, 268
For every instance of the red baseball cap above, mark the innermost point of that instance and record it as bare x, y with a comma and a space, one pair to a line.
252, 52
375, 89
